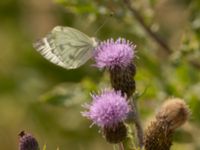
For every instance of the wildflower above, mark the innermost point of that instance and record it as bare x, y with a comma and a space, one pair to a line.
112, 53
117, 57
108, 110
173, 113
27, 142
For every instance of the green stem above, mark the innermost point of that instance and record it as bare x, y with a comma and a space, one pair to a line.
138, 125
121, 146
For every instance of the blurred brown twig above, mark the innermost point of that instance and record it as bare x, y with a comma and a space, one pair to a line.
153, 35
146, 28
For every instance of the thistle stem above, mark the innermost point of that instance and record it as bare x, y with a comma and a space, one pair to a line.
121, 146
114, 147
138, 125
139, 132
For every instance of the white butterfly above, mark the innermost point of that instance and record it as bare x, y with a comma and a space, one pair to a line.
66, 47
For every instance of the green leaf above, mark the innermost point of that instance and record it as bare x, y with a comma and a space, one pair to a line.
182, 136
44, 147
65, 95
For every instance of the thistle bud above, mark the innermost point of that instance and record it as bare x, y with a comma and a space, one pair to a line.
175, 112
27, 142
172, 114
115, 134
123, 79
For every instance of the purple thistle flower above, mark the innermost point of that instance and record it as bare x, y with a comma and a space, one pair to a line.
107, 109
27, 142
112, 53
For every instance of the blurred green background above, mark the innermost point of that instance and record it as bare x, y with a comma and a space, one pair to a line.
44, 99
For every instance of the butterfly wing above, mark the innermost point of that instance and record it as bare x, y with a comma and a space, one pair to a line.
66, 47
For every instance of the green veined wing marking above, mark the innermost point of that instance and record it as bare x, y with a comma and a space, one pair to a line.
66, 47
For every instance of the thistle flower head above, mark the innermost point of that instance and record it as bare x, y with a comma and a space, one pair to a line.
112, 53
27, 142
107, 109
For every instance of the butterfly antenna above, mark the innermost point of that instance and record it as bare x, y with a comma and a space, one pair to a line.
104, 22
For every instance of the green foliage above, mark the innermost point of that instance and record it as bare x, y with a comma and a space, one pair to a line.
65, 95
44, 147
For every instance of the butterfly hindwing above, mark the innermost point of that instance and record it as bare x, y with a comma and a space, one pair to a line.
66, 47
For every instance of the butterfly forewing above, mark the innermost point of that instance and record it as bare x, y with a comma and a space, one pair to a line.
66, 47
47, 50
